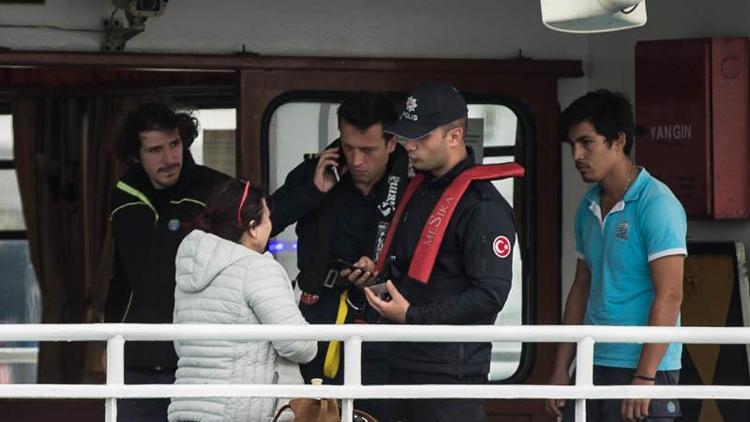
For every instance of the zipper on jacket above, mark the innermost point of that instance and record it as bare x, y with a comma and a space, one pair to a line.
127, 308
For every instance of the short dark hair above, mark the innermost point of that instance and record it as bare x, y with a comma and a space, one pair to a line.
461, 122
153, 116
609, 112
363, 109
220, 215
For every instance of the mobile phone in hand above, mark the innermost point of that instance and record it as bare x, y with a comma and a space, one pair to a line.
335, 171
345, 264
379, 289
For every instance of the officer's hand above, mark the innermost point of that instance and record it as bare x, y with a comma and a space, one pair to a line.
324, 179
554, 406
635, 409
362, 273
394, 309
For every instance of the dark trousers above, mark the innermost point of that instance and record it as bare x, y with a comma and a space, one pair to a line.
374, 355
438, 410
661, 410
145, 410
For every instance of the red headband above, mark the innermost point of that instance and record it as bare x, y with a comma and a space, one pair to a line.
242, 202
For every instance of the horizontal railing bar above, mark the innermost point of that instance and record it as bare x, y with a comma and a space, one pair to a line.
88, 391
412, 333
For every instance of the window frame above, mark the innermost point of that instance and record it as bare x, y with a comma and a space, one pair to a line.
10, 165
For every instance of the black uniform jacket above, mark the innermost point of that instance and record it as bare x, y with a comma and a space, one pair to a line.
470, 280
147, 227
318, 216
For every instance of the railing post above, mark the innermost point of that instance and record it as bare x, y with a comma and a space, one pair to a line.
115, 373
584, 372
352, 373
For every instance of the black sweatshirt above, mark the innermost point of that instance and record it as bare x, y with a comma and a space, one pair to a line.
147, 227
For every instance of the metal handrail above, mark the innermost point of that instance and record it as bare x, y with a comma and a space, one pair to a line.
353, 335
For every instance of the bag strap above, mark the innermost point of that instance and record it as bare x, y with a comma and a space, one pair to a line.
362, 416
281, 410
323, 410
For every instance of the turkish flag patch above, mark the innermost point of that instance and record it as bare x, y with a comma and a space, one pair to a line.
501, 246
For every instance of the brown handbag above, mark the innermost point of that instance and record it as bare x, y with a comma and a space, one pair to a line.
312, 410
319, 410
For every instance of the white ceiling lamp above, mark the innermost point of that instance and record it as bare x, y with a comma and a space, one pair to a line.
590, 16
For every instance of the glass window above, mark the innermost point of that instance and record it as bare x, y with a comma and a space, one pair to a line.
215, 145
20, 298
6, 137
11, 215
295, 129
499, 124
492, 134
301, 127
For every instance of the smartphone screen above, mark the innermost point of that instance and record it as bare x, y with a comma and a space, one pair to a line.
379, 289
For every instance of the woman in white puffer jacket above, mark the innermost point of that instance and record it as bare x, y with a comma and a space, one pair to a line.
224, 277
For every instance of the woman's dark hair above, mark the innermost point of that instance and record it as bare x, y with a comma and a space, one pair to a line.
221, 217
152, 116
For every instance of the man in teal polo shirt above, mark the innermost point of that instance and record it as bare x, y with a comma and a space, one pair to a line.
630, 243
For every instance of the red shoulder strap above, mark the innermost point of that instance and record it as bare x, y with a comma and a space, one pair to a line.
433, 232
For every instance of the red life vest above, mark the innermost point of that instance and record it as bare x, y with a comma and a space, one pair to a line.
426, 252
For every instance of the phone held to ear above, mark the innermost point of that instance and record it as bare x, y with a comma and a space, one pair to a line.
335, 170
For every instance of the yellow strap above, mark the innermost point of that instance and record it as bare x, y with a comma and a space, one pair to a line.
333, 354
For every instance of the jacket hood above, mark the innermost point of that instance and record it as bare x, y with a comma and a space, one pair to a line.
202, 256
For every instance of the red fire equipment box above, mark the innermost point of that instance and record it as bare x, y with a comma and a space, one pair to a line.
693, 103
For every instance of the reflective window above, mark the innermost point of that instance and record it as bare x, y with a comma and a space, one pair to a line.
499, 124
6, 137
11, 215
20, 298
216, 144
301, 127
295, 129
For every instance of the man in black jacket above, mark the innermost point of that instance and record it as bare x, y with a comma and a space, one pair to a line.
340, 221
161, 190
472, 239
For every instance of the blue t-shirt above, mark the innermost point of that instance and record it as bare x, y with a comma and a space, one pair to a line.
649, 223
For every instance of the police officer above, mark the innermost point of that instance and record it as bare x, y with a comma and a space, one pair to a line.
340, 221
468, 280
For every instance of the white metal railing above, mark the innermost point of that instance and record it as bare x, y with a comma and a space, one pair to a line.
353, 335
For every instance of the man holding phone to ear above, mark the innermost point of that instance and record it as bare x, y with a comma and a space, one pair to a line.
343, 200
